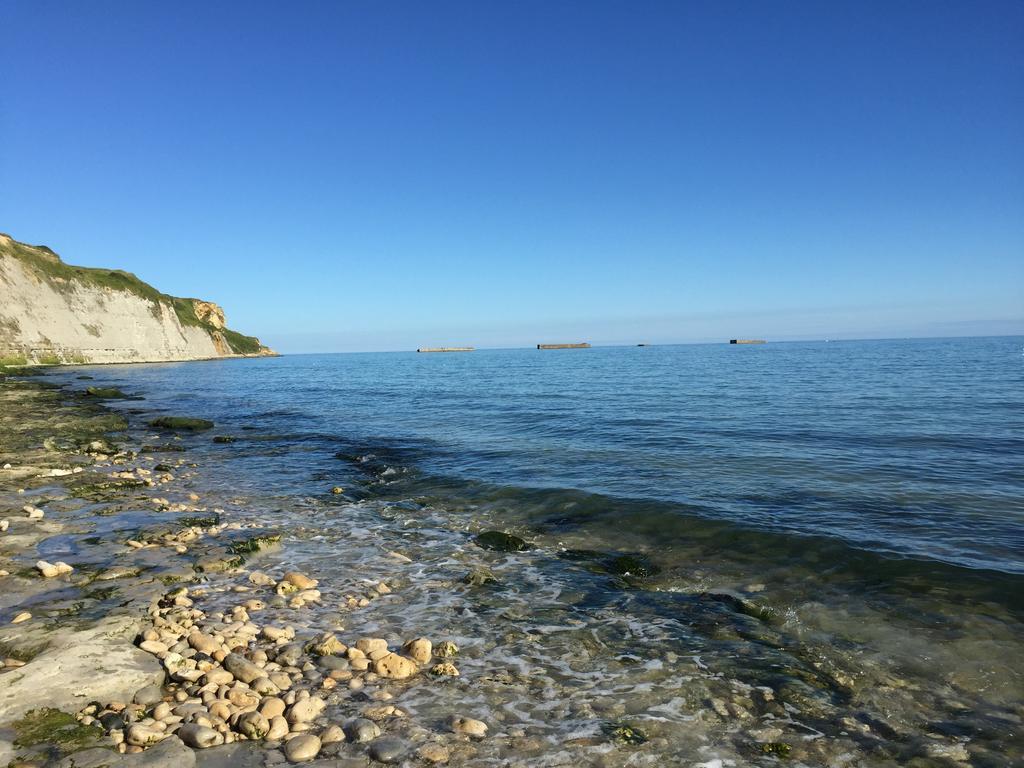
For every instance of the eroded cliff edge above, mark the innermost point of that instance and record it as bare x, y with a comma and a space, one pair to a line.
53, 312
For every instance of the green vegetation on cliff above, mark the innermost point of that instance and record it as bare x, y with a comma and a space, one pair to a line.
47, 264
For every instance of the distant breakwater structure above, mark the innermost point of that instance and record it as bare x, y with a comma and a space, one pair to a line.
747, 341
580, 345
446, 349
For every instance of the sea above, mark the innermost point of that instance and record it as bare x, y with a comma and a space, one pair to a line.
732, 554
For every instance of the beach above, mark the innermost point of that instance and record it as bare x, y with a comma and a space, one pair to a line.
272, 585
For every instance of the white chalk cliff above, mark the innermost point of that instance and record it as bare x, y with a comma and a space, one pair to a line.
54, 312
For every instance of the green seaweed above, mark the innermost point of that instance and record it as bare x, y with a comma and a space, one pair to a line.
56, 728
777, 749
254, 544
500, 541
622, 733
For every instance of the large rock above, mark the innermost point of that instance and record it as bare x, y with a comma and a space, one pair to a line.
96, 664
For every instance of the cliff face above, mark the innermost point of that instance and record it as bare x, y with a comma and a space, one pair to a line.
52, 312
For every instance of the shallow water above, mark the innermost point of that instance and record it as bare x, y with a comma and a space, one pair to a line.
832, 535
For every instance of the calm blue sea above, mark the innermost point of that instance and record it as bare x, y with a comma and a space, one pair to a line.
910, 448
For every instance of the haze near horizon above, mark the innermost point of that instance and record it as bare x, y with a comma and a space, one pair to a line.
356, 177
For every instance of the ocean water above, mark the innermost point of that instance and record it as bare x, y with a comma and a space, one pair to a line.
812, 544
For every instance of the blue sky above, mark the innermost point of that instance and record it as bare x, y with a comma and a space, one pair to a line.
348, 176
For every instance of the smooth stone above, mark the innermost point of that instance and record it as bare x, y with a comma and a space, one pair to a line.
305, 711
332, 734
433, 753
388, 749
278, 728
370, 644
300, 580
199, 736
148, 696
272, 707
242, 668
467, 726
360, 730
303, 747
253, 725
141, 736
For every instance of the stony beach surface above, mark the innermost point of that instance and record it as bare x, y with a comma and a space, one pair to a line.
145, 624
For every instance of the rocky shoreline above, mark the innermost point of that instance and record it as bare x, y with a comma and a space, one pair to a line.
159, 655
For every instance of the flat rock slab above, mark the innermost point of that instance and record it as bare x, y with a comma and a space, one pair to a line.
99, 663
169, 753
240, 754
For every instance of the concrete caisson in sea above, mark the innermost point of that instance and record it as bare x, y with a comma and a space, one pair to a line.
747, 341
581, 345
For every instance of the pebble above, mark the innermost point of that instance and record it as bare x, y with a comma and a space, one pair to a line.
360, 729
433, 753
151, 694
142, 736
300, 580
467, 726
23, 616
278, 728
332, 734
445, 669
303, 747
253, 725
305, 711
242, 668
388, 749
199, 736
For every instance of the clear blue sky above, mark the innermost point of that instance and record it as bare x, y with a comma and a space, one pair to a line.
360, 175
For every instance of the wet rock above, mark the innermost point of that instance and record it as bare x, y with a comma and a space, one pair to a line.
445, 669
395, 667
467, 726
419, 650
199, 736
361, 730
181, 424
623, 733
388, 749
21, 617
223, 439
635, 566
303, 747
326, 644
446, 649
501, 542
299, 580
434, 753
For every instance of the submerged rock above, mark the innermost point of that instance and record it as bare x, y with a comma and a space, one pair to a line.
181, 423
501, 542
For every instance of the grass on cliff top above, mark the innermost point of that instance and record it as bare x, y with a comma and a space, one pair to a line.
45, 262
